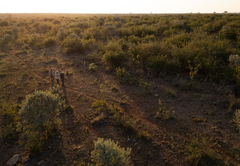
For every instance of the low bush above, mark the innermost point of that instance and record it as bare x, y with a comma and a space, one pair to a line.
109, 153
100, 105
157, 63
114, 58
73, 44
110, 32
179, 40
39, 117
49, 42
122, 32
146, 50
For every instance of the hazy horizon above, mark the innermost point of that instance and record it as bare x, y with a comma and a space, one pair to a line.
123, 7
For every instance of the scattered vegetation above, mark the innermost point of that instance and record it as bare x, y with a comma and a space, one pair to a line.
196, 53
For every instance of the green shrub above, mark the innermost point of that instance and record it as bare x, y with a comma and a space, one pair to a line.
228, 32
157, 63
110, 32
122, 32
142, 30
73, 44
146, 50
108, 153
212, 55
179, 40
100, 105
94, 57
39, 117
125, 122
89, 44
112, 46
98, 34
114, 59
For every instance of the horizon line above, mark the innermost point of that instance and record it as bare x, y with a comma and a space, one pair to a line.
225, 12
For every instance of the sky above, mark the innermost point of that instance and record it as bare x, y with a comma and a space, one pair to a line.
119, 6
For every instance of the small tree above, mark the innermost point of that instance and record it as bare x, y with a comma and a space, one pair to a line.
108, 153
39, 116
